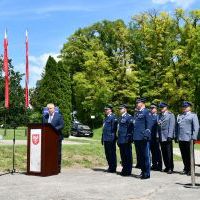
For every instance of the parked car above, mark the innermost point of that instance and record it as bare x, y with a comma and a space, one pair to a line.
81, 130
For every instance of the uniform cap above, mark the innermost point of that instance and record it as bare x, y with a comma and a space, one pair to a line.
186, 104
108, 106
141, 99
123, 106
163, 105
153, 105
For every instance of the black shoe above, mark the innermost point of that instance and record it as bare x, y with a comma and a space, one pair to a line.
170, 171
165, 170
189, 173
156, 168
125, 174
139, 176
110, 170
145, 177
183, 172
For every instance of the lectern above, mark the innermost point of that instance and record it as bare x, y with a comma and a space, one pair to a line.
42, 150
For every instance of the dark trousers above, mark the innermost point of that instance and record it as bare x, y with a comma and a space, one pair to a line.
126, 158
167, 153
143, 147
59, 153
137, 157
110, 152
185, 153
156, 154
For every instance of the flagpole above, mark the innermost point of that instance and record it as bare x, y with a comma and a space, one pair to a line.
26, 82
6, 77
27, 74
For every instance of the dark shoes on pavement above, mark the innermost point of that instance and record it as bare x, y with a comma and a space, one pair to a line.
125, 173
142, 176
186, 172
145, 177
154, 168
169, 171
110, 170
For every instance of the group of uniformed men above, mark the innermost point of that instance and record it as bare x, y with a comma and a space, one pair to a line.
152, 133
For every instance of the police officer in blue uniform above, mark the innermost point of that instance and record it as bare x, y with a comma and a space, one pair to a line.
138, 165
142, 136
187, 130
166, 131
125, 139
154, 144
109, 138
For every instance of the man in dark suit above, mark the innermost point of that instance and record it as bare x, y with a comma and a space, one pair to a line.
56, 120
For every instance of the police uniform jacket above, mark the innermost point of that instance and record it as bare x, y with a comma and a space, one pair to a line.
166, 126
125, 130
110, 128
154, 128
187, 126
142, 125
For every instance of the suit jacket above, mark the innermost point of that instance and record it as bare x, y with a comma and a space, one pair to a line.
166, 126
187, 126
110, 128
57, 122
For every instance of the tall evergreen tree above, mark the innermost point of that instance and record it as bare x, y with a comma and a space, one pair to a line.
54, 87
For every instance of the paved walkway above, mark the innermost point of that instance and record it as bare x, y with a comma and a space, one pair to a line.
94, 184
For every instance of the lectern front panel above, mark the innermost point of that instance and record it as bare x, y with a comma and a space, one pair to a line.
35, 150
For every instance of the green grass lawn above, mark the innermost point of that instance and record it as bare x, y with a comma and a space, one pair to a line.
20, 133
89, 155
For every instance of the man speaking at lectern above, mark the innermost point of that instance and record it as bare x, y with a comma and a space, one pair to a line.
56, 120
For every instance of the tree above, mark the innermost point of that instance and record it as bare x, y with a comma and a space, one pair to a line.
155, 56
15, 114
54, 87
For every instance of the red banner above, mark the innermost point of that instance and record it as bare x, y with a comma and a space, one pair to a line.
27, 75
6, 70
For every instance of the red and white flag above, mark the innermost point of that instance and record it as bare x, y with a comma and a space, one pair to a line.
27, 74
6, 70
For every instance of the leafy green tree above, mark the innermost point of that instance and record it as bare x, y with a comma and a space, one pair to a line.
15, 114
54, 87
155, 55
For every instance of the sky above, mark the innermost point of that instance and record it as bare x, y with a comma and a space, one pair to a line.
51, 22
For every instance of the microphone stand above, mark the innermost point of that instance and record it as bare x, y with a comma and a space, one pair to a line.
13, 169
13, 151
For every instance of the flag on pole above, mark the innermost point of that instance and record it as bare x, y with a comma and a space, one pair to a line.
27, 74
6, 70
